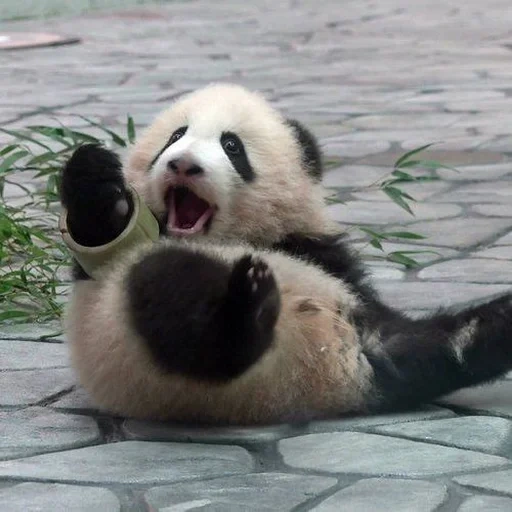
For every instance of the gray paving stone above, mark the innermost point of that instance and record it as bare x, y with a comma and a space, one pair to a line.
31, 331
475, 270
423, 253
487, 503
505, 240
495, 192
494, 210
156, 431
429, 295
29, 355
386, 495
502, 253
258, 491
429, 412
419, 191
350, 176
386, 212
38, 430
370, 454
34, 497
494, 399
353, 149
77, 401
480, 433
27, 387
460, 232
498, 481
131, 462
476, 172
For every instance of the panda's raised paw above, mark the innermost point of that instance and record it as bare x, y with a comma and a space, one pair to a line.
253, 289
95, 196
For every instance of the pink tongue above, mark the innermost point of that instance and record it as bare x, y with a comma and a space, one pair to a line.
190, 210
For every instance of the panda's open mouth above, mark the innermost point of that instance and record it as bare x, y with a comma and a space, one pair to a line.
187, 213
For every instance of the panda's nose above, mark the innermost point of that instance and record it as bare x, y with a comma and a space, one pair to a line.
184, 167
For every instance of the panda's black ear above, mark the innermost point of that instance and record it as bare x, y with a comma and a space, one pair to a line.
311, 154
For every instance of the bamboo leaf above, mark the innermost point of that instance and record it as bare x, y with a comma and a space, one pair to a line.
411, 153
130, 128
397, 196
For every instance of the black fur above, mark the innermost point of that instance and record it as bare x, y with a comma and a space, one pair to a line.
311, 154
416, 360
199, 317
239, 157
420, 362
92, 185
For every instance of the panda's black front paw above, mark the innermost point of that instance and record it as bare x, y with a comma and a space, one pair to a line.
255, 298
95, 196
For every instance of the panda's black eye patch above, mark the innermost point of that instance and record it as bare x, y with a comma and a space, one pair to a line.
177, 134
235, 151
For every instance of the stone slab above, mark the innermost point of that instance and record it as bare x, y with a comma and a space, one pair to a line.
385, 495
34, 497
502, 252
431, 295
494, 210
504, 240
460, 233
156, 431
480, 433
493, 399
28, 387
474, 270
487, 504
253, 492
131, 462
51, 331
497, 481
488, 192
387, 212
31, 355
429, 412
376, 455
37, 430
77, 401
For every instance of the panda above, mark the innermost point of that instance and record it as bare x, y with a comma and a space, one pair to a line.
250, 308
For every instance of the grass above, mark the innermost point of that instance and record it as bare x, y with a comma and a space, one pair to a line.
33, 259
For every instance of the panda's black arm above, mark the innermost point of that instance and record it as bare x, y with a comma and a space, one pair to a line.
95, 196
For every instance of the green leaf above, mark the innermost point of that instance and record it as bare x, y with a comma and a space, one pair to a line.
8, 149
400, 257
23, 136
408, 155
12, 159
404, 234
115, 137
13, 314
397, 196
54, 133
130, 128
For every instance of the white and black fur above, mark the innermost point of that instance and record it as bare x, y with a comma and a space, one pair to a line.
261, 313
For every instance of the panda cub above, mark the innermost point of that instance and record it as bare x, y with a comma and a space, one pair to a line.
250, 308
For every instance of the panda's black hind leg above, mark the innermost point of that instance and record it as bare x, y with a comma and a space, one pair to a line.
199, 316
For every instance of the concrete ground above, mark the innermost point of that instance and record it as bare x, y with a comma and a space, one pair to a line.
372, 79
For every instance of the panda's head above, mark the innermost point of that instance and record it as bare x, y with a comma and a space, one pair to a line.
222, 163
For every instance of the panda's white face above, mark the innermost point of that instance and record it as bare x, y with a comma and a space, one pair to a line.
194, 176
222, 164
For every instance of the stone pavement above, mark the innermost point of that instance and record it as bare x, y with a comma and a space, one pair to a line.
372, 79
